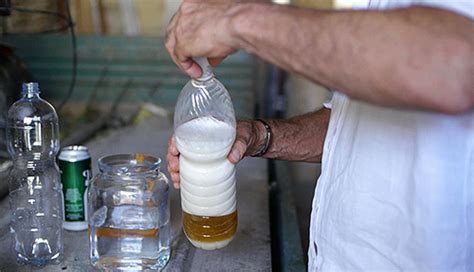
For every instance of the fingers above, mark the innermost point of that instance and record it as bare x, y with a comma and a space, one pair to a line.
185, 64
182, 55
173, 47
196, 31
170, 40
173, 169
173, 162
172, 149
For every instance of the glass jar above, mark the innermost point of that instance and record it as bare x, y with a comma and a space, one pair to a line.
128, 209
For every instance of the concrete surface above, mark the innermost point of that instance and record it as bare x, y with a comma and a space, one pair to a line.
250, 250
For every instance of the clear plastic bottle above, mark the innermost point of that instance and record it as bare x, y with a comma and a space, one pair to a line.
35, 188
205, 129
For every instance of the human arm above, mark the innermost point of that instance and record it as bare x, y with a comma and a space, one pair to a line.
415, 57
297, 139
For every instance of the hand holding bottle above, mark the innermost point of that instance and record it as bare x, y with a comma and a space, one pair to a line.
249, 138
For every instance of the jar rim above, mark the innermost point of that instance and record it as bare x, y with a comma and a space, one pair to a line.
126, 164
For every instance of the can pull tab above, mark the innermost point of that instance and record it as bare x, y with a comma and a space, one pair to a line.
206, 68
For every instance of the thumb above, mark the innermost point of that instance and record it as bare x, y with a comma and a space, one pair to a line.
237, 152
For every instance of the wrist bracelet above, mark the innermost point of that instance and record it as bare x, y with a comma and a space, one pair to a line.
268, 138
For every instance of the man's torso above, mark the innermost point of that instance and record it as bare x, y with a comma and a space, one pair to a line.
396, 190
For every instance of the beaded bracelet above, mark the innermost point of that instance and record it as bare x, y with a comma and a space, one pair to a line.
268, 139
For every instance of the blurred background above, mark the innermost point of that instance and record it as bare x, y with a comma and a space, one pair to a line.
103, 65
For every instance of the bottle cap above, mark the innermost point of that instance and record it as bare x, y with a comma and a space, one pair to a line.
206, 68
30, 87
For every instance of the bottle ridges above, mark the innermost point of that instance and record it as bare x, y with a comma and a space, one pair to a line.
207, 177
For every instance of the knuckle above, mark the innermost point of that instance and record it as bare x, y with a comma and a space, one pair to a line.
175, 176
173, 167
169, 45
173, 160
242, 140
179, 32
185, 8
173, 147
240, 145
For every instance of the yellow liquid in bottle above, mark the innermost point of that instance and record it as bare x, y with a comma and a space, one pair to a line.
210, 232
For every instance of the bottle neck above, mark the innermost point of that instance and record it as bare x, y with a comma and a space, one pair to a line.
207, 73
30, 90
206, 76
202, 82
31, 95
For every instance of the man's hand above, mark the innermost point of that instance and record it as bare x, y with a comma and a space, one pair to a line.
300, 138
248, 140
200, 29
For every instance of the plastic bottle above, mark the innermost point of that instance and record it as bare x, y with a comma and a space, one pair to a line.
205, 129
35, 188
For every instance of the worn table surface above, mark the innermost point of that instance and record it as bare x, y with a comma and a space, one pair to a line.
249, 251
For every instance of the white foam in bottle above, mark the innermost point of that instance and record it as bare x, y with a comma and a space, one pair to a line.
207, 177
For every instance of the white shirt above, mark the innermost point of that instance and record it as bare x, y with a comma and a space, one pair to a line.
397, 186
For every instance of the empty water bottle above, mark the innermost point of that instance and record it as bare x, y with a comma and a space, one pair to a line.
35, 188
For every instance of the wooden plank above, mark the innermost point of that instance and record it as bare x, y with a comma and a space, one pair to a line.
83, 19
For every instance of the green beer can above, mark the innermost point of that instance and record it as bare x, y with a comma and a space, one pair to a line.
75, 167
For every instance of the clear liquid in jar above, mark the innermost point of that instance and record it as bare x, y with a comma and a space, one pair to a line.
120, 243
